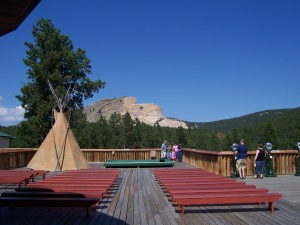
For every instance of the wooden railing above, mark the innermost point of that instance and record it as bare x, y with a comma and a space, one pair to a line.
284, 161
102, 155
15, 157
217, 162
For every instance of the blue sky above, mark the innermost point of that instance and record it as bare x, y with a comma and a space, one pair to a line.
199, 60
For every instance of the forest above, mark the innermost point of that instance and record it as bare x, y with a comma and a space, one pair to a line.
121, 132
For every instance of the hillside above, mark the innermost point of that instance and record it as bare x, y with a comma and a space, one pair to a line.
240, 122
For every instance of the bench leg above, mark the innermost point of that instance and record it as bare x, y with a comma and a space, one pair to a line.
182, 210
271, 207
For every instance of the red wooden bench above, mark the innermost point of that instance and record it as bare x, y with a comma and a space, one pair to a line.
193, 193
81, 184
199, 183
81, 175
93, 172
16, 177
83, 179
63, 189
75, 181
187, 187
213, 184
228, 198
87, 175
14, 180
180, 171
196, 179
175, 189
195, 188
88, 192
173, 176
71, 187
52, 194
26, 174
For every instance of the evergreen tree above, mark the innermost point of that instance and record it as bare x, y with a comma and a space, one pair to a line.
181, 137
235, 136
137, 137
52, 58
270, 134
296, 132
127, 130
26, 136
116, 131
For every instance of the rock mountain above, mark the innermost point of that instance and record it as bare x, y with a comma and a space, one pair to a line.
147, 112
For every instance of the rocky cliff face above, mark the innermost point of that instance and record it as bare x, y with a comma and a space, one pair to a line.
147, 112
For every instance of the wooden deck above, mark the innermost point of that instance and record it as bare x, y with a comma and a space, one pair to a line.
138, 199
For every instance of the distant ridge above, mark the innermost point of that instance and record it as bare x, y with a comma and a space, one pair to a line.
240, 122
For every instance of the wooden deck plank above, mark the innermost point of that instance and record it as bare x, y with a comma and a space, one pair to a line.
148, 192
120, 191
140, 198
125, 195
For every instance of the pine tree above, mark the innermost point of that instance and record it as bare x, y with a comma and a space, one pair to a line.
52, 58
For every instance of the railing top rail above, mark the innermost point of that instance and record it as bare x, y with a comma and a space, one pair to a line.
11, 150
208, 152
122, 150
251, 152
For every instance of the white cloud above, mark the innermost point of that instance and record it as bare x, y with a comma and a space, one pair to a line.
11, 116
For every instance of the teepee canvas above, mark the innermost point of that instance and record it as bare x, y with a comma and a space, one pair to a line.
60, 150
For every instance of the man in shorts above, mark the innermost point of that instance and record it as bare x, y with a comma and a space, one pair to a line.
241, 155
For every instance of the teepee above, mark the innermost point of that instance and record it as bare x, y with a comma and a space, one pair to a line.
60, 150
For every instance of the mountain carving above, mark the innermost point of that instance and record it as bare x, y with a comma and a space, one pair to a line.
146, 112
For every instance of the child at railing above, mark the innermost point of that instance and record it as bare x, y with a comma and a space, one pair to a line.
173, 155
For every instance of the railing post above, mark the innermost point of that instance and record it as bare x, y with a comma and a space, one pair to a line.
298, 164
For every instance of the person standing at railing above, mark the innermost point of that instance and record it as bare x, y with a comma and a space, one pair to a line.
259, 162
173, 155
241, 155
175, 149
179, 153
164, 149
169, 151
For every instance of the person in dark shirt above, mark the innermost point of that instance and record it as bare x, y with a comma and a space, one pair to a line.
179, 153
241, 155
259, 162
